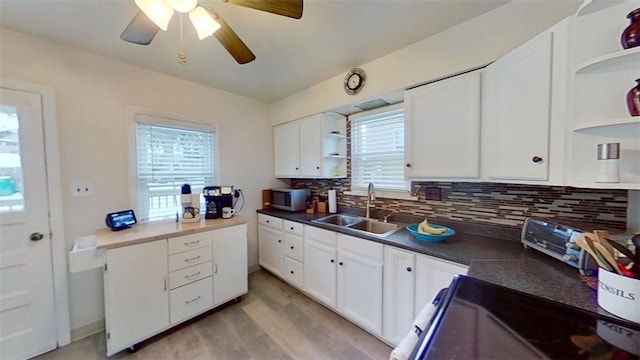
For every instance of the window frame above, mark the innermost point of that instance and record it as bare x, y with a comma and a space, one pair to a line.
380, 192
168, 120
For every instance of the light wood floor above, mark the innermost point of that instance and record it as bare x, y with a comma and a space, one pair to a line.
273, 321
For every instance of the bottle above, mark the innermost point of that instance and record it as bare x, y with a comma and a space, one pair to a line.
631, 35
633, 100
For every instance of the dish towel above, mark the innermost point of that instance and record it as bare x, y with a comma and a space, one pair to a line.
405, 347
422, 320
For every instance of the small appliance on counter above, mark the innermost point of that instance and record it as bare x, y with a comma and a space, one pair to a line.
190, 205
290, 199
121, 220
558, 241
217, 198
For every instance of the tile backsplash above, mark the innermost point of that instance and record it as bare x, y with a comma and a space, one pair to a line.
494, 203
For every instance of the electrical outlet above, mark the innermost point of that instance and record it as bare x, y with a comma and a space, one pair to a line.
433, 194
81, 188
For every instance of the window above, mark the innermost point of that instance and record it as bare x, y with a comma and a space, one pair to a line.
169, 154
377, 149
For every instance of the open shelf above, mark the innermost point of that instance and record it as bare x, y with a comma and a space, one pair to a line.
592, 6
608, 123
611, 60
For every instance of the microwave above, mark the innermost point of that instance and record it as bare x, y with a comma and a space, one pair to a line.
289, 199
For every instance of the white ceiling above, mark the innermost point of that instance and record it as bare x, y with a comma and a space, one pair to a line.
291, 55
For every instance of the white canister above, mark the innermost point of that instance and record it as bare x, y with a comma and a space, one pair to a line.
608, 163
619, 295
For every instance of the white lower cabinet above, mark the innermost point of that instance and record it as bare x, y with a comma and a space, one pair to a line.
320, 247
360, 281
152, 286
136, 293
229, 263
270, 243
411, 281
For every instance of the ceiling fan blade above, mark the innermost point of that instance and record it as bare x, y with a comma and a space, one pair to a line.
290, 8
231, 41
141, 30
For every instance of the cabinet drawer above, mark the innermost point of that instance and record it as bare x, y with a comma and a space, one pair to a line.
327, 237
293, 246
189, 258
293, 227
190, 300
294, 272
190, 274
362, 247
270, 221
189, 242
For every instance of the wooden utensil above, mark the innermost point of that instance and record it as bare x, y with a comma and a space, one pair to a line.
603, 237
584, 244
599, 248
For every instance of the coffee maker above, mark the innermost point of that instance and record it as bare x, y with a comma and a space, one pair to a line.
216, 198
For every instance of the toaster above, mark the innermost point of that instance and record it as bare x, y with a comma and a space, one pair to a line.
558, 241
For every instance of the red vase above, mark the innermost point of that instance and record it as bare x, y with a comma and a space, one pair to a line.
631, 35
633, 100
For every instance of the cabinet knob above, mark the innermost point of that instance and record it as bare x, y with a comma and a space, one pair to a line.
340, 263
292, 271
408, 164
317, 167
279, 240
409, 268
291, 228
297, 169
332, 261
292, 248
267, 221
536, 159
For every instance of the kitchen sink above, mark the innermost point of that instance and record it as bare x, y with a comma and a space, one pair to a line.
359, 224
339, 220
375, 227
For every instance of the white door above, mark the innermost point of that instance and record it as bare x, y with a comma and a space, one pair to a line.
399, 288
27, 314
270, 249
432, 275
320, 272
286, 150
311, 146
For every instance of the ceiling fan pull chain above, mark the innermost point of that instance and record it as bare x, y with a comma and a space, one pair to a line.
182, 58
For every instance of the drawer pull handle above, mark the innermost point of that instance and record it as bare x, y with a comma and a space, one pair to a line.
193, 301
291, 228
192, 243
192, 275
195, 258
409, 269
292, 271
292, 248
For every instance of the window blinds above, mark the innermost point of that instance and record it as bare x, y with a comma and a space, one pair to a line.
377, 151
167, 158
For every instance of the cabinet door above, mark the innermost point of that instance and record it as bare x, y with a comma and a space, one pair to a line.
432, 275
136, 293
320, 271
360, 282
286, 150
516, 119
442, 129
311, 146
229, 263
270, 249
399, 294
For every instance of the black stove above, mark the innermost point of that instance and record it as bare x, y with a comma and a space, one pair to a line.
480, 320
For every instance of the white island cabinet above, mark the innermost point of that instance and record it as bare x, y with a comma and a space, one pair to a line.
136, 293
159, 275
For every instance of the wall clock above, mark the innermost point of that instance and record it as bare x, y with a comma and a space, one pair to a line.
354, 81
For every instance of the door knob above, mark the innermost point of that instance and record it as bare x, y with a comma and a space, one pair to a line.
36, 236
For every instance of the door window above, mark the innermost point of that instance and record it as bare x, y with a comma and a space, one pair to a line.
11, 184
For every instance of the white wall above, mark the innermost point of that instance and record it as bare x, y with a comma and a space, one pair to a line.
474, 43
92, 94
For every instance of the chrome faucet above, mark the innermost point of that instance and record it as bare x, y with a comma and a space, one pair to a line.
371, 197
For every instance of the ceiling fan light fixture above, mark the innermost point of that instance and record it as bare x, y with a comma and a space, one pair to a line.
157, 10
203, 22
183, 6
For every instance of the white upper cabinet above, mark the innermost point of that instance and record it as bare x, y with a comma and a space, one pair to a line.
517, 112
603, 73
312, 147
442, 129
286, 150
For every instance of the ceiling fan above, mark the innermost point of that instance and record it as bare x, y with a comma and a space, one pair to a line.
156, 14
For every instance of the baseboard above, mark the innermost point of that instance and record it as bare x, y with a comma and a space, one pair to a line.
254, 268
87, 330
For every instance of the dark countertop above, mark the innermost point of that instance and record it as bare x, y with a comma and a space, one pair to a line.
499, 261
